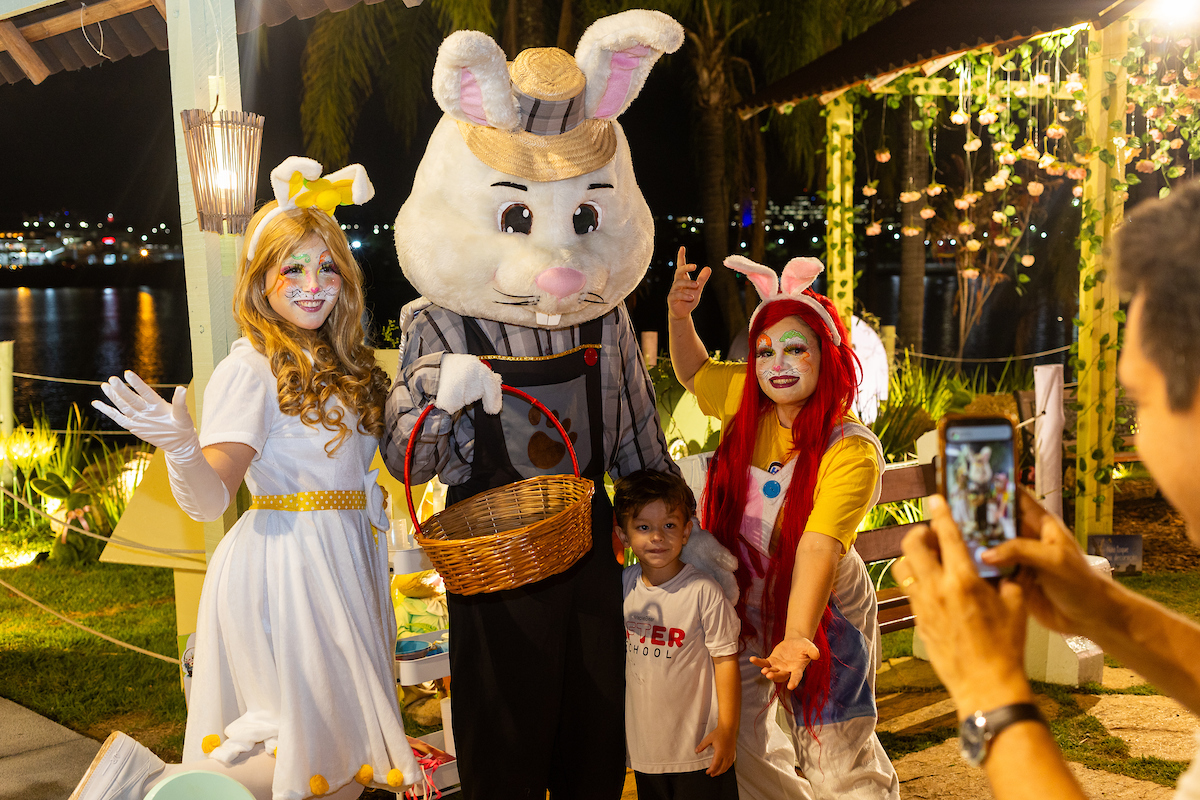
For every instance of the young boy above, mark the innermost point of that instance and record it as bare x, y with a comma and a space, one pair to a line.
682, 686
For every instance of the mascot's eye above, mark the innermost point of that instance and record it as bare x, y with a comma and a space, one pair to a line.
587, 218
516, 218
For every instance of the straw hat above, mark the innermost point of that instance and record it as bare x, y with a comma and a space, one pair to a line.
555, 140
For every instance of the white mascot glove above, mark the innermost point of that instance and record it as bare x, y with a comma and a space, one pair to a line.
140, 410
465, 379
706, 554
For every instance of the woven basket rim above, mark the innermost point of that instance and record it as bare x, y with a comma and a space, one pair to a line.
478, 499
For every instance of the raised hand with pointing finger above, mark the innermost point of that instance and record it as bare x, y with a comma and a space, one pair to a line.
685, 291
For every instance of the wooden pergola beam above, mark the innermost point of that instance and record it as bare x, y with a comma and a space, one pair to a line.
22, 53
839, 206
1098, 297
74, 20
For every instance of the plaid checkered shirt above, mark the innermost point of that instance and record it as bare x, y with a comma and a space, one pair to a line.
633, 436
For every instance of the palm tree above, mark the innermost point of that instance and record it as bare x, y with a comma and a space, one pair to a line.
770, 39
385, 48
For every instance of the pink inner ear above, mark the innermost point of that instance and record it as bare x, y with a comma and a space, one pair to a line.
799, 274
767, 285
621, 67
470, 98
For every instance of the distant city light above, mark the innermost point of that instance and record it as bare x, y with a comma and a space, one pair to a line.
356, 243
781, 241
143, 252
109, 240
144, 237
814, 240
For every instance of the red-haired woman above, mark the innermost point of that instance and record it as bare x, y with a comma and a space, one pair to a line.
787, 488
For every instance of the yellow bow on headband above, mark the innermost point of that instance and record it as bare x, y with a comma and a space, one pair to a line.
322, 193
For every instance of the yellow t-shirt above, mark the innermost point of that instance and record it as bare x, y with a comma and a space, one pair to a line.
848, 471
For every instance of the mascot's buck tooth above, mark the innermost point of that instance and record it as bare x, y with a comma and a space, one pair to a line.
524, 232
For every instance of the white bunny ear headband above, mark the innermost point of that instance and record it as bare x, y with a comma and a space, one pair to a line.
298, 184
797, 276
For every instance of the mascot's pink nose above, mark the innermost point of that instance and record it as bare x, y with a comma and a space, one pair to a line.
561, 281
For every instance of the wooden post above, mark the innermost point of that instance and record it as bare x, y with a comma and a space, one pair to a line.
204, 72
6, 416
839, 206
1098, 299
1048, 436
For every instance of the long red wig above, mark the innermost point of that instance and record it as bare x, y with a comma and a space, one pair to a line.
725, 494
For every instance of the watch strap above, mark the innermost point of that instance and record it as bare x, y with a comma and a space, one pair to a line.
1000, 718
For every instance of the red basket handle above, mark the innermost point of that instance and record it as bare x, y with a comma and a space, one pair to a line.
408, 451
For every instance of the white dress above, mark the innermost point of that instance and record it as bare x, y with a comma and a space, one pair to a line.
295, 636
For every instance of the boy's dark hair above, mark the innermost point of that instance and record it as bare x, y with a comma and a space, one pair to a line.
1158, 257
639, 489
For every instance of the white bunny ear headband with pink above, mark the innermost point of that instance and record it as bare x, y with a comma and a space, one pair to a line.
297, 183
797, 276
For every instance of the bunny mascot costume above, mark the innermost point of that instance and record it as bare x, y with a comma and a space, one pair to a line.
524, 232
787, 488
293, 694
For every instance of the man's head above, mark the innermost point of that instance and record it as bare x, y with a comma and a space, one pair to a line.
1158, 257
654, 514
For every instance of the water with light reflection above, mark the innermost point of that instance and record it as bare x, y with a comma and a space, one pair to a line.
90, 334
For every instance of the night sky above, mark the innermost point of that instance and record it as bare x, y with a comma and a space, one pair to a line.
101, 140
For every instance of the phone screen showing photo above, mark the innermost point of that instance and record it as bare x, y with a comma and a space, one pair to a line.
981, 485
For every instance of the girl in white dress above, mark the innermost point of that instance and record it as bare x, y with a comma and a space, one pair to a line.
293, 693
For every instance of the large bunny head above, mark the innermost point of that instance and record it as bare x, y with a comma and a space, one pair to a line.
524, 208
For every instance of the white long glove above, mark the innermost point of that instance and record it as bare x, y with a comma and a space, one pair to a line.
140, 410
706, 554
463, 380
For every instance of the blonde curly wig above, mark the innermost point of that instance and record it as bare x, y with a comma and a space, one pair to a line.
312, 367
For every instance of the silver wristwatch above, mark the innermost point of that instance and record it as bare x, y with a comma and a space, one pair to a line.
977, 731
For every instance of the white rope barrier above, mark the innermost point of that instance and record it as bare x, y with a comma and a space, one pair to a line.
1062, 349
170, 551
83, 382
85, 628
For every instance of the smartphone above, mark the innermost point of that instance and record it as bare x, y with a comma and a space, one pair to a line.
977, 475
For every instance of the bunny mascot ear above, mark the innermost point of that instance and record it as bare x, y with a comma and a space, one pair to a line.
616, 54
798, 276
297, 183
471, 82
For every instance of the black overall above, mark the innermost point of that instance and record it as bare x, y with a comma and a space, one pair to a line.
538, 690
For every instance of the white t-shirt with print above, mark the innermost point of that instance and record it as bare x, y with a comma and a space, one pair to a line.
672, 633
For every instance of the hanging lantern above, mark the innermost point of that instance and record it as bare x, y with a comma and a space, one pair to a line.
222, 152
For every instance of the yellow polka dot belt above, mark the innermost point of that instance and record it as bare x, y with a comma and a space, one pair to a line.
327, 500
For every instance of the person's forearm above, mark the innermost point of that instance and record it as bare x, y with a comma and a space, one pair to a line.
1153, 641
728, 681
687, 351
812, 581
1024, 763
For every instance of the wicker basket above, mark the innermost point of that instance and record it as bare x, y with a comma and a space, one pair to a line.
511, 535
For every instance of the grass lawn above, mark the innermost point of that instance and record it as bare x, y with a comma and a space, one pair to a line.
94, 687
84, 682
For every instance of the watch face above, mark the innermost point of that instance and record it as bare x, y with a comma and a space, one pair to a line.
972, 735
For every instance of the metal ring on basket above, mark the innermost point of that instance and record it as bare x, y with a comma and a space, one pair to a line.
510, 535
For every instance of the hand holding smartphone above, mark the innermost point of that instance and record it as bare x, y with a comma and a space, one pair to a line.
978, 477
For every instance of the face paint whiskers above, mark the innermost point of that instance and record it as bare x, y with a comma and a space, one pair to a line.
296, 293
